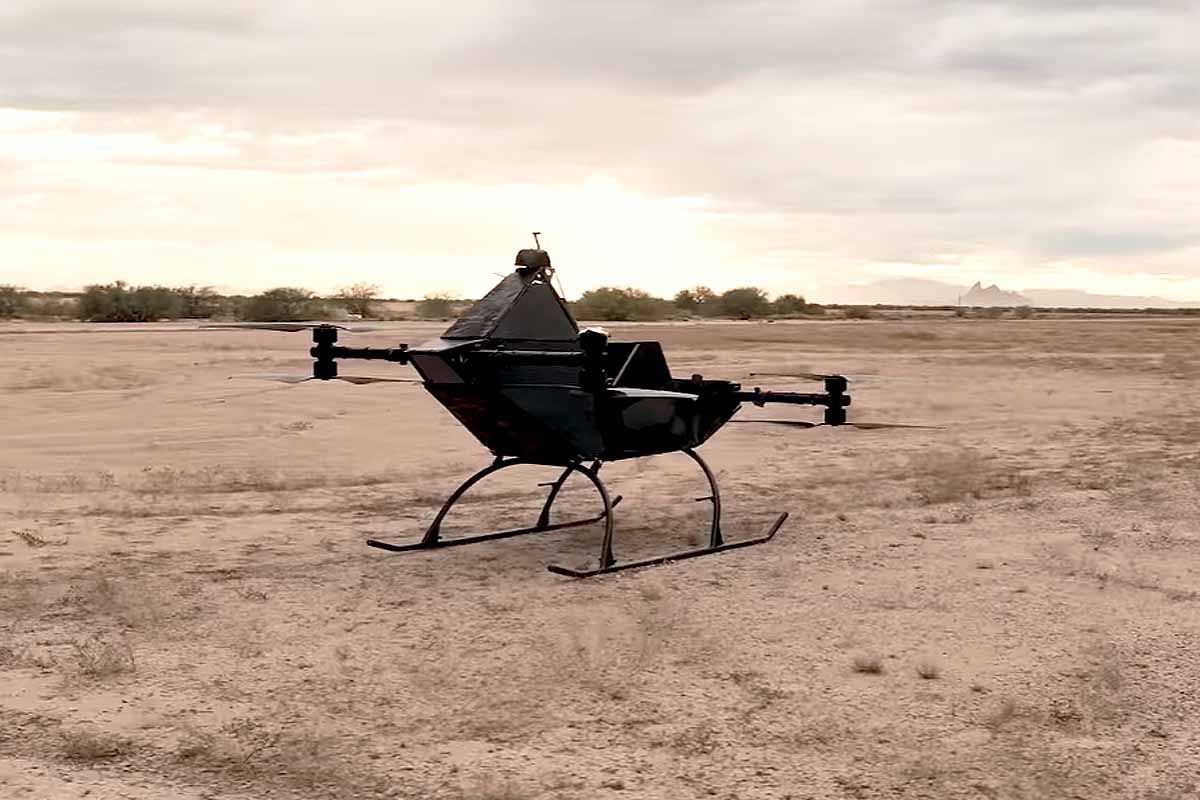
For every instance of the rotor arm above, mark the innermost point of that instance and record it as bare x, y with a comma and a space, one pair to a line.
834, 399
397, 355
326, 352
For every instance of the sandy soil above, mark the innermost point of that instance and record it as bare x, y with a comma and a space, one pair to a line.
1006, 608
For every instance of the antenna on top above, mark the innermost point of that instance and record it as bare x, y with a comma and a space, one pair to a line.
536, 243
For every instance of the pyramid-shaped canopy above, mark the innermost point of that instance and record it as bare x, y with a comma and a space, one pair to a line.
523, 306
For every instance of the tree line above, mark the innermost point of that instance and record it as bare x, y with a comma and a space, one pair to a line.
121, 302
633, 305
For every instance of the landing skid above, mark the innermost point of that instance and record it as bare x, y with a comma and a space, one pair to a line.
607, 562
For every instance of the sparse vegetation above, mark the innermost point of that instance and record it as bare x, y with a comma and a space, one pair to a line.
789, 305
88, 745
119, 302
262, 751
100, 657
435, 306
285, 304
949, 476
745, 303
928, 669
868, 664
621, 305
12, 301
358, 298
858, 312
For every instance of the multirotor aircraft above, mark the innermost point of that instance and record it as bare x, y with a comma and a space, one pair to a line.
519, 374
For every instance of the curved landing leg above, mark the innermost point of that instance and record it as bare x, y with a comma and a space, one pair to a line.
433, 536
716, 542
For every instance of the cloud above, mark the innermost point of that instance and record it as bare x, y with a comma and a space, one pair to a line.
853, 133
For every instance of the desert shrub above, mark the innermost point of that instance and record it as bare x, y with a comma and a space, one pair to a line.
788, 304
435, 306
118, 302
357, 298
858, 312
747, 302
989, 313
52, 306
1023, 312
12, 301
99, 657
199, 302
284, 304
948, 476
81, 744
616, 304
814, 310
685, 301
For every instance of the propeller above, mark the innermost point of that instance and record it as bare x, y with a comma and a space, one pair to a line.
809, 376
286, 326
294, 379
866, 426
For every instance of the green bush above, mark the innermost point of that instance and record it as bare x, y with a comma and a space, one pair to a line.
748, 302
435, 306
357, 298
200, 302
284, 304
117, 302
787, 304
611, 304
12, 301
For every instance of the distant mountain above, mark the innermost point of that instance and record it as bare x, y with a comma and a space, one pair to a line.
922, 292
992, 297
893, 292
1074, 298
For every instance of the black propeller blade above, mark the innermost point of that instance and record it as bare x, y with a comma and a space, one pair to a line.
792, 423
809, 376
871, 426
294, 379
866, 426
286, 326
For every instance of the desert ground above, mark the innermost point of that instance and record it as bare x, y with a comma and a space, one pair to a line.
1006, 607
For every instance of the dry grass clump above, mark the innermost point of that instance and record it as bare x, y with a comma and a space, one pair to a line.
98, 378
608, 653
494, 787
928, 669
20, 593
100, 657
82, 744
137, 604
58, 483
254, 750
31, 539
868, 664
962, 475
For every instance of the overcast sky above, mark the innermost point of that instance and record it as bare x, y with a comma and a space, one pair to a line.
793, 145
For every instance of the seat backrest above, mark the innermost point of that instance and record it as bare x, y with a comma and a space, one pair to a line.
638, 365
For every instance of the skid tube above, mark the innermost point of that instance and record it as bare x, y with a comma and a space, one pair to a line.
433, 535
716, 542
608, 562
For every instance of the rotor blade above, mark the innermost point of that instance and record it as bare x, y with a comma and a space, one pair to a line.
794, 423
286, 326
810, 376
355, 379
281, 377
870, 426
